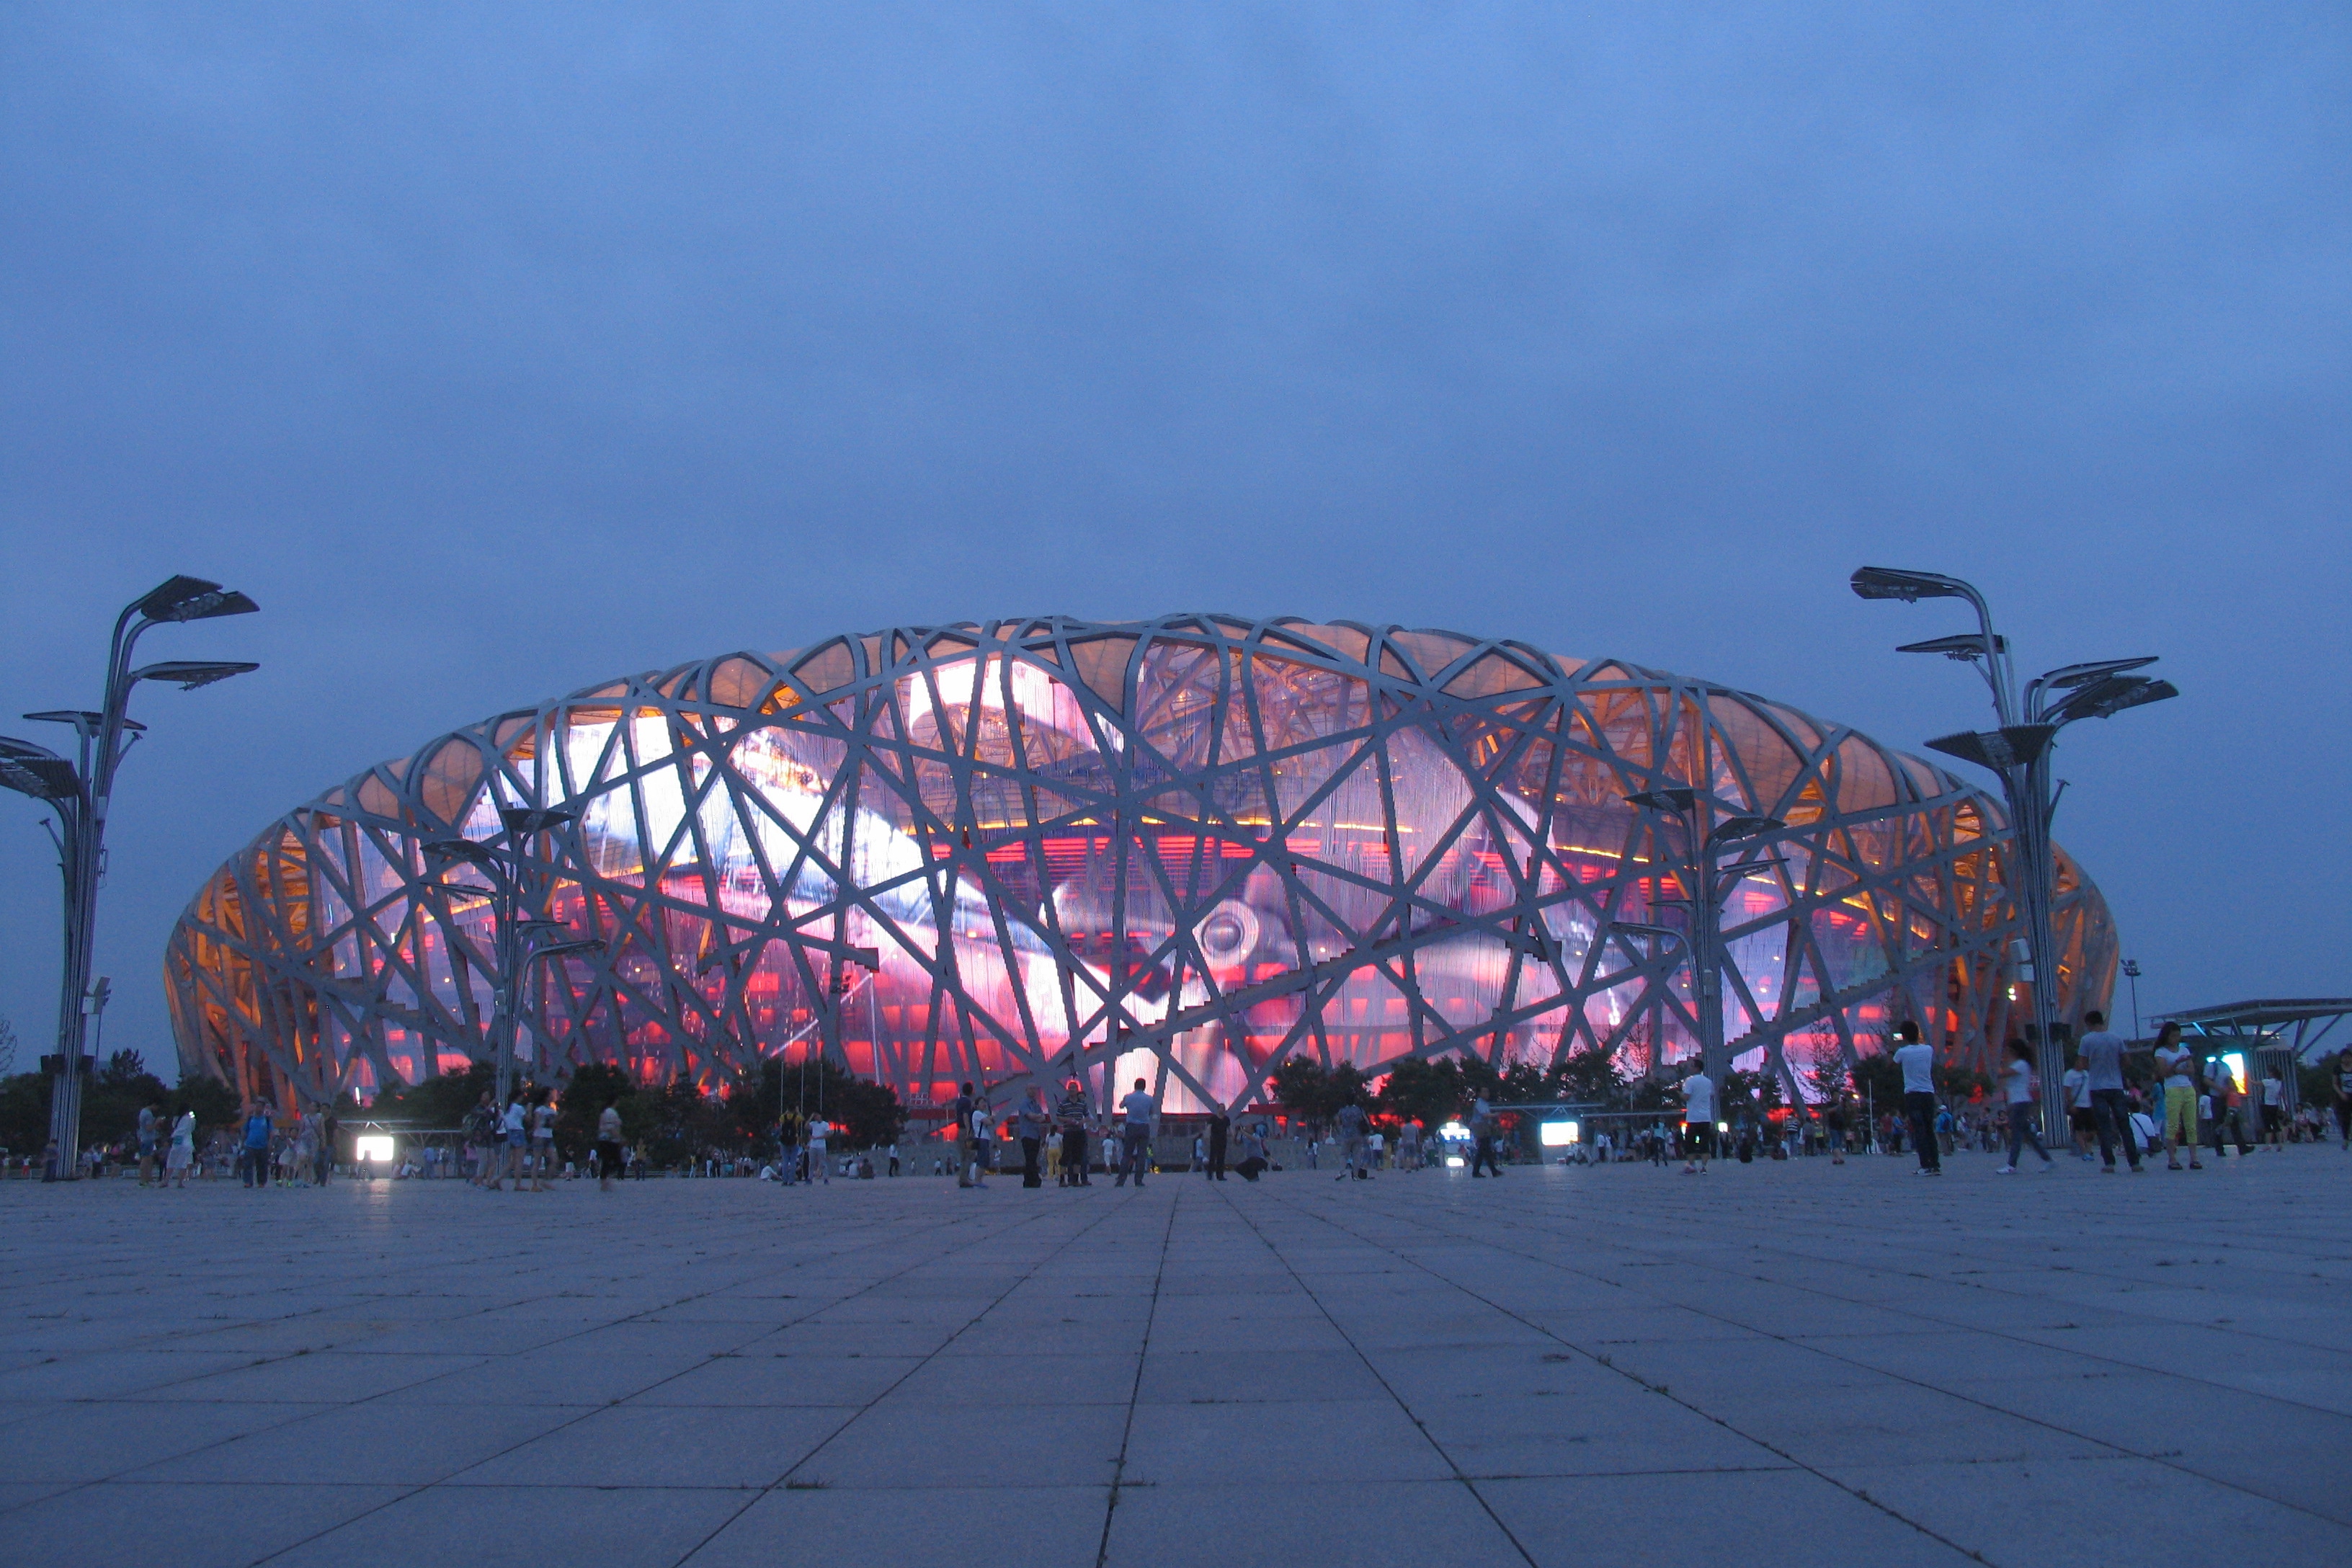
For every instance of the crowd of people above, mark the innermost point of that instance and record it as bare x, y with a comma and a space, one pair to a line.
2185, 1112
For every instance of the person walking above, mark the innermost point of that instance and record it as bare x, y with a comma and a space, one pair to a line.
149, 1132
1835, 1122
2082, 1122
2274, 1091
1136, 1112
1350, 1125
2100, 1054
2176, 1064
819, 1144
253, 1164
971, 1117
2344, 1100
609, 1142
1072, 1113
2018, 1078
1698, 1121
1918, 1060
184, 1149
542, 1143
1482, 1131
1031, 1123
1221, 1128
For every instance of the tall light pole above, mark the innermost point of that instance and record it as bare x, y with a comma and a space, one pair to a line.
2018, 754
81, 790
1707, 882
513, 882
2131, 973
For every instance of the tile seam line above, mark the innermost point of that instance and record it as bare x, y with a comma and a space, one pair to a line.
414, 1490
1461, 1476
1792, 1460
2119, 1449
781, 1482
1945, 1324
1135, 1389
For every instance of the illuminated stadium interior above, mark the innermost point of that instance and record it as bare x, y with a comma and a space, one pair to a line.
1184, 849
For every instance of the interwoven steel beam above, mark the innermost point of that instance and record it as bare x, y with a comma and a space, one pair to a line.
1184, 848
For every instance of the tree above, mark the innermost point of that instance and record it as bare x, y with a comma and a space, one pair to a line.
868, 1114
24, 1113
1417, 1089
582, 1101
1590, 1075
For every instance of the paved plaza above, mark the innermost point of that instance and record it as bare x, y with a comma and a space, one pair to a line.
1766, 1364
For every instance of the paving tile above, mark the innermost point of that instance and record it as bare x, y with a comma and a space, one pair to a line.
373, 1442
943, 1527
328, 1377
1363, 1439
1364, 1524
1255, 1376
901, 1443
202, 1526
99, 1439
778, 1379
642, 1446
1703, 1521
2003, 1512
525, 1527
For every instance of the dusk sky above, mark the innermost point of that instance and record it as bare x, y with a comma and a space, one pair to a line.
500, 350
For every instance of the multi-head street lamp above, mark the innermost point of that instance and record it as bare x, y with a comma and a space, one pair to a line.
2018, 751
81, 788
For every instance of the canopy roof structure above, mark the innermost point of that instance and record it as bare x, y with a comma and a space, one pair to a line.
2313, 1019
1186, 849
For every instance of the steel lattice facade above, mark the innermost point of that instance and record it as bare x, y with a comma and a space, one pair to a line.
1182, 850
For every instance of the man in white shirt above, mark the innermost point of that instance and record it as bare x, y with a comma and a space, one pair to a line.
1918, 1060
819, 1131
2273, 1110
1135, 1134
1698, 1122
2101, 1054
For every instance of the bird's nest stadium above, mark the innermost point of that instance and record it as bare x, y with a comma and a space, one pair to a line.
1187, 849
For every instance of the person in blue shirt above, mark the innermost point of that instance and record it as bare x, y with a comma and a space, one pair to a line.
255, 1164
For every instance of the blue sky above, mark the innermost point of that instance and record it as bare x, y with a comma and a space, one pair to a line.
498, 349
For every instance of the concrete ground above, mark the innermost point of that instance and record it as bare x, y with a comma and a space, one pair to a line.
1845, 1364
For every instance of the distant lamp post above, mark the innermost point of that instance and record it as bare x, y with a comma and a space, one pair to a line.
1707, 881
513, 882
81, 790
2018, 754
2131, 973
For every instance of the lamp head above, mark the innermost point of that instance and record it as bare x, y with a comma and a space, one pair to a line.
448, 851
2069, 675
1746, 828
2108, 699
194, 599
522, 820
2020, 746
1960, 646
1636, 928
41, 777
1893, 583
1676, 799
193, 673
564, 949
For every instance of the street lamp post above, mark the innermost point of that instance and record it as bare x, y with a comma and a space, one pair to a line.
2131, 973
81, 790
1707, 881
2018, 754
512, 882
